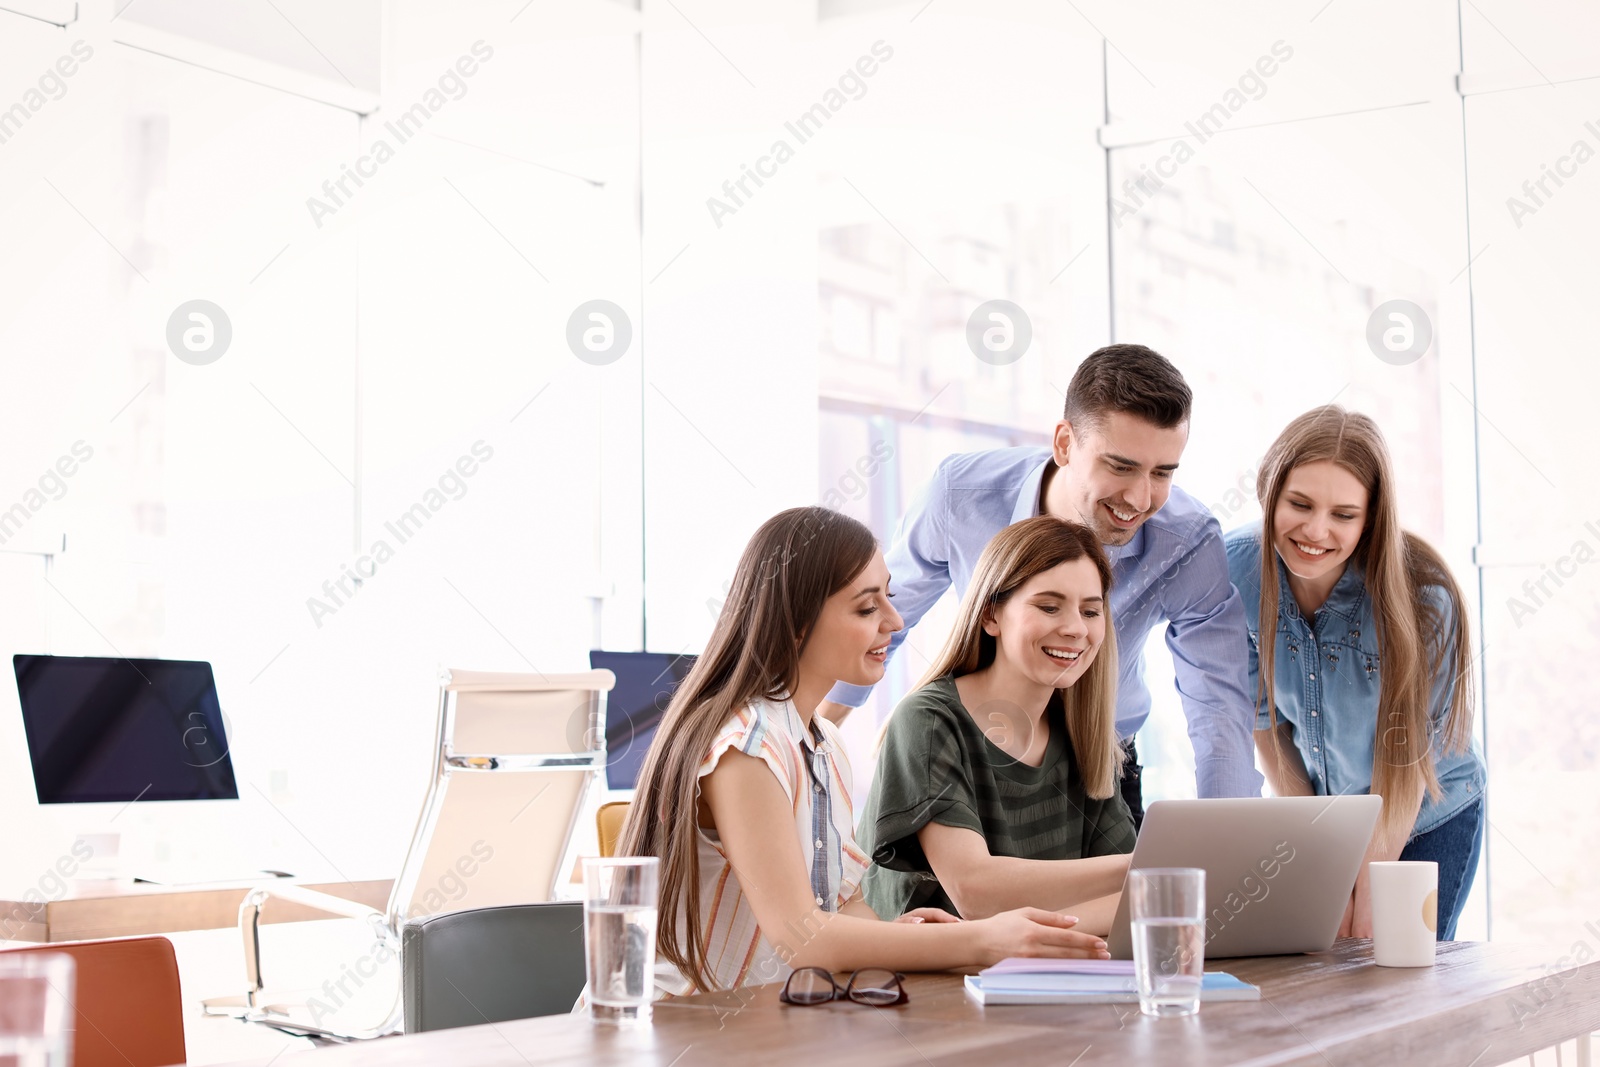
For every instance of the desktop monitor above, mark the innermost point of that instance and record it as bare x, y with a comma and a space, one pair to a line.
645, 682
113, 730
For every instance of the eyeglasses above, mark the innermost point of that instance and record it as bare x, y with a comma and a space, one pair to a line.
872, 986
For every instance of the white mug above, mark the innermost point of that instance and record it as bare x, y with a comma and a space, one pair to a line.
1405, 912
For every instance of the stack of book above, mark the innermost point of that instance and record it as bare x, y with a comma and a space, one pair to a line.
1034, 981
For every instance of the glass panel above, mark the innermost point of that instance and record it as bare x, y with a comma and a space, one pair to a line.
204, 497
1533, 43
1533, 207
216, 514
936, 194
1257, 266
1253, 62
728, 290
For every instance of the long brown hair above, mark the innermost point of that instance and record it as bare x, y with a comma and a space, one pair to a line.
1015, 555
793, 564
1398, 568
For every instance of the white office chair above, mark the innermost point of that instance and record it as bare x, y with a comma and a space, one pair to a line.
518, 756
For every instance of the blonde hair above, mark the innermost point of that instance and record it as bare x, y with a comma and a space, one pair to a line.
1016, 554
1411, 631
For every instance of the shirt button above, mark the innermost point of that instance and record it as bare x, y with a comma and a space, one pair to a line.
819, 902
819, 842
1313, 715
816, 787
1314, 748
1312, 676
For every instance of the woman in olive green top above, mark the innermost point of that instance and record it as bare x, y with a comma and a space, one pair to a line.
997, 781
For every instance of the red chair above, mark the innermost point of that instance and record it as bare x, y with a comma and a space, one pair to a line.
129, 1010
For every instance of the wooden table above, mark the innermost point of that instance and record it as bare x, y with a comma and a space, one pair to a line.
1483, 1003
92, 909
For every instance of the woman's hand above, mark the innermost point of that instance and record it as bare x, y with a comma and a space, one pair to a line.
928, 915
1036, 932
1361, 905
1357, 921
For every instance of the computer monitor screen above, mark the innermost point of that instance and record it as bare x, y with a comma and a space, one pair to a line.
107, 730
645, 682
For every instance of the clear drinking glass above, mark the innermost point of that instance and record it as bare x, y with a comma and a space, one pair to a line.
619, 936
36, 991
1169, 938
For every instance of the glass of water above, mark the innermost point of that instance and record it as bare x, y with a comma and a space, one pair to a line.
1168, 907
619, 936
36, 991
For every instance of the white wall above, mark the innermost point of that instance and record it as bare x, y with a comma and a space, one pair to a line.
373, 347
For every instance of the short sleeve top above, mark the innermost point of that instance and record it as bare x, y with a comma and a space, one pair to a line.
1328, 673
814, 773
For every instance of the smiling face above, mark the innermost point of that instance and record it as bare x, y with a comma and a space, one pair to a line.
1318, 522
1053, 625
850, 640
1114, 476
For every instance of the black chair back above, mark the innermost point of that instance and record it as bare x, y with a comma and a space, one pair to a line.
491, 965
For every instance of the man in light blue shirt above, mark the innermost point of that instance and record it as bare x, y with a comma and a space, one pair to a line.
1124, 428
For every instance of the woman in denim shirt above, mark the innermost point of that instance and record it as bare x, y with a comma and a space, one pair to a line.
1364, 634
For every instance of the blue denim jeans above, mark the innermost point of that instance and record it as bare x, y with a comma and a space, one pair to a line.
1455, 846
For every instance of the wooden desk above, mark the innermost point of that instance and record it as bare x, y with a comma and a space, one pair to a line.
123, 909
1325, 1010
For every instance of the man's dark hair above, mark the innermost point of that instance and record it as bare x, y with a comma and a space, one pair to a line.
1129, 378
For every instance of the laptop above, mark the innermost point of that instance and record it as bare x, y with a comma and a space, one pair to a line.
104, 729
1279, 870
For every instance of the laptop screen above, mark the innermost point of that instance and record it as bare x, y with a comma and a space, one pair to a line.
645, 683
112, 730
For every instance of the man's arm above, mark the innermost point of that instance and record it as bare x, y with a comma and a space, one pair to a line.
919, 573
1209, 641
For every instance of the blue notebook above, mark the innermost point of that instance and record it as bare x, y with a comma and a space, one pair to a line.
1216, 986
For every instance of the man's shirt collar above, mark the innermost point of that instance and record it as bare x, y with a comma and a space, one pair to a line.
1027, 505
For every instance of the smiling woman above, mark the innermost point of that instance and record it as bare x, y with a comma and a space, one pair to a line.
1359, 653
997, 782
745, 795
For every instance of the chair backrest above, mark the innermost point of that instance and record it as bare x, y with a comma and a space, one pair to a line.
129, 1011
608, 823
518, 755
490, 965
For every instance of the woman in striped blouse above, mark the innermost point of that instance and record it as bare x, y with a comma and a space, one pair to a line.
745, 794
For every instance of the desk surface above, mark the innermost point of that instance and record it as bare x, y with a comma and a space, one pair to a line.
90, 910
1483, 1003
